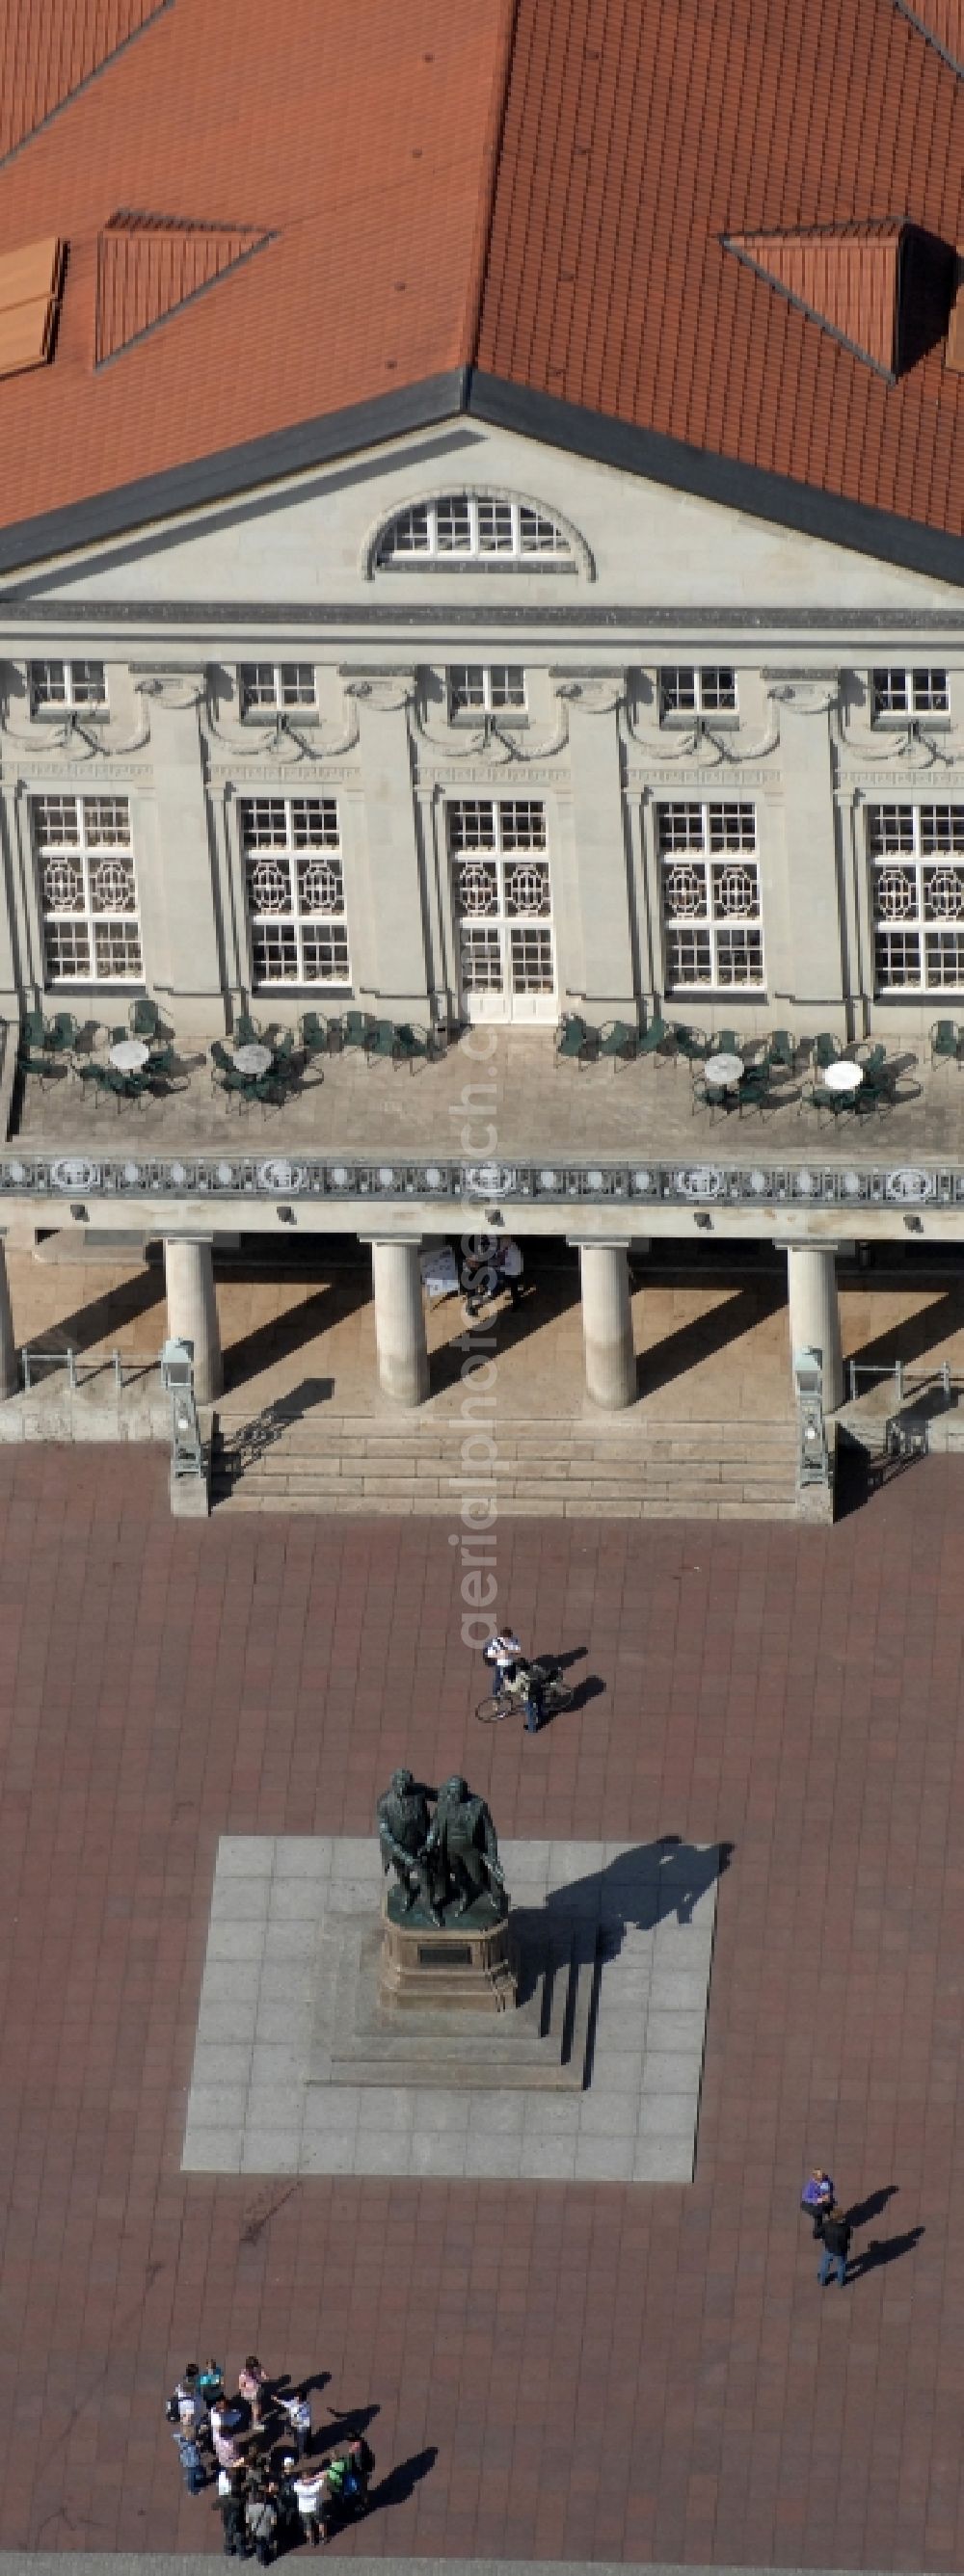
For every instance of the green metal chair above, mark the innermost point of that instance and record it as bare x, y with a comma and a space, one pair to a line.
825, 1050
947, 1043
144, 1018
380, 1041
755, 1091
314, 1034
411, 1045
354, 1026
40, 1066
576, 1042
692, 1048
32, 1029
62, 1033
618, 1039
160, 1063
246, 1031
654, 1039
726, 1042
781, 1051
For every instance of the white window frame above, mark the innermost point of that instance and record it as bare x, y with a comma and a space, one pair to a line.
47, 702
921, 845
705, 678
490, 678
278, 678
83, 854
715, 834
279, 825
526, 533
901, 694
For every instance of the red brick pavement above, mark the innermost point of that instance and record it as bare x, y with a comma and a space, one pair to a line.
603, 2372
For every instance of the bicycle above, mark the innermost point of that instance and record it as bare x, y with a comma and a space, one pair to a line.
556, 1694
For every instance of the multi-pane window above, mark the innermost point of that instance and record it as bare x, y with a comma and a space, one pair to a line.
465, 526
485, 688
503, 903
709, 691
908, 693
67, 684
711, 895
295, 890
88, 890
276, 684
917, 869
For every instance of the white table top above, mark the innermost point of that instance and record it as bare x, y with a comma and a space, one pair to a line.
842, 1076
129, 1055
252, 1059
724, 1070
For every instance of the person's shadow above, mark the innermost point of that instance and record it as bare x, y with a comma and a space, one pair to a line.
401, 2481
348, 2425
589, 1686
873, 2207
883, 2250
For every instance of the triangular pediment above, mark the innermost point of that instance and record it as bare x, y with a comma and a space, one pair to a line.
845, 278
148, 266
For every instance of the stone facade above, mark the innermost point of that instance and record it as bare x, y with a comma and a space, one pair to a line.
796, 815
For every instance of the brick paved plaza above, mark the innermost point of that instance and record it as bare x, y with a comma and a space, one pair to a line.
609, 2371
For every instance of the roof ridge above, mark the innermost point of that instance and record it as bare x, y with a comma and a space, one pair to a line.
493, 156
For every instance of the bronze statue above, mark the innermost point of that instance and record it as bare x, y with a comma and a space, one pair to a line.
463, 1844
450, 1859
404, 1828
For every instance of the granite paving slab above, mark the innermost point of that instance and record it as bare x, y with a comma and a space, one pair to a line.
287, 2047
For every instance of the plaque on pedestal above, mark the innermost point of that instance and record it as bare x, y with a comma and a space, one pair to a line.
461, 1965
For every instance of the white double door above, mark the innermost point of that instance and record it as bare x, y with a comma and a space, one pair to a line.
504, 931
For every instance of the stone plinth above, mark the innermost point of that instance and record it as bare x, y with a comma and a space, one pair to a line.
462, 1967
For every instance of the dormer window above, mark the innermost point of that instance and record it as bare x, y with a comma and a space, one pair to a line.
58, 685
468, 527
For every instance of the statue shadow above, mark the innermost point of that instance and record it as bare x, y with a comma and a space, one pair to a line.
585, 1923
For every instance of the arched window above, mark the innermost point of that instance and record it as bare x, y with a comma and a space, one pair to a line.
474, 527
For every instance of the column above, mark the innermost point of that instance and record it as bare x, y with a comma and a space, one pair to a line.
192, 968
399, 968
815, 1313
192, 1311
9, 1374
815, 976
602, 849
400, 1319
607, 1325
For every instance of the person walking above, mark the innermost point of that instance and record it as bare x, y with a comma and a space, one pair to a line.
509, 1267
836, 2246
817, 2198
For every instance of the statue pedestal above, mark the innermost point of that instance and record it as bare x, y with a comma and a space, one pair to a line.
464, 1967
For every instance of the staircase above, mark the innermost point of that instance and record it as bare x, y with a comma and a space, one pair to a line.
634, 1468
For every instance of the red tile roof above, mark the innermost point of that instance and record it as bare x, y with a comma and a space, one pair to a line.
846, 279
541, 193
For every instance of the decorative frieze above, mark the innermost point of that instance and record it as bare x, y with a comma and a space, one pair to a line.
235, 1178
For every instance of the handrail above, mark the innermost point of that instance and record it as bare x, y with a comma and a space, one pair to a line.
903, 1377
89, 1364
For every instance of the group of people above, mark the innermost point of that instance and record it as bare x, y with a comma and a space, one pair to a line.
255, 2445
495, 1262
831, 2226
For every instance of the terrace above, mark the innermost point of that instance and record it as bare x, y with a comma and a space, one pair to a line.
497, 1093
